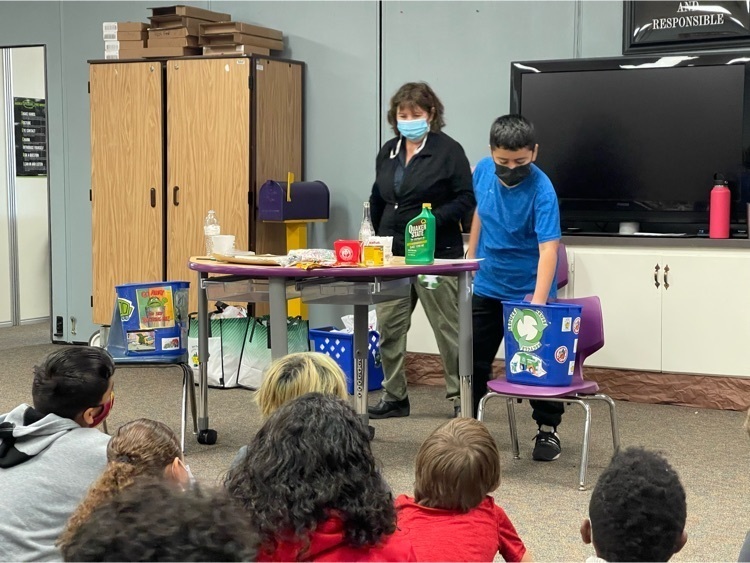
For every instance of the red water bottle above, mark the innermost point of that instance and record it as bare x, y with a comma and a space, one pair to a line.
718, 220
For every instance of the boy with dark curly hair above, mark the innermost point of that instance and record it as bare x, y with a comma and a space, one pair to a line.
638, 510
312, 486
156, 520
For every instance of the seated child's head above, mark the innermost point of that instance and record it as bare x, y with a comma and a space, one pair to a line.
296, 374
637, 510
75, 383
154, 521
140, 449
513, 146
457, 466
312, 460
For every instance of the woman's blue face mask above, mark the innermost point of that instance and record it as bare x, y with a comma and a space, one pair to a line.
413, 129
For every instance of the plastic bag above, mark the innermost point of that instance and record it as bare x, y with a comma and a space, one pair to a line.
348, 320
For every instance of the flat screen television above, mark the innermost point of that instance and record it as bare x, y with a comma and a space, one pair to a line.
639, 138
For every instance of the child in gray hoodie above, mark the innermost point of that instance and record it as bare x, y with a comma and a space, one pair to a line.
51, 453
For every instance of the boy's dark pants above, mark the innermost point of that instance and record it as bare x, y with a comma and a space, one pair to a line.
488, 335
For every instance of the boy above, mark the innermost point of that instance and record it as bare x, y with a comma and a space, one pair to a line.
637, 511
51, 453
516, 230
451, 517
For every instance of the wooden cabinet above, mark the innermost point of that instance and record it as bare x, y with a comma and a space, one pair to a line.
672, 310
172, 139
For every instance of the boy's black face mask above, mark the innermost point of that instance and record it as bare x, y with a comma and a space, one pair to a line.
512, 176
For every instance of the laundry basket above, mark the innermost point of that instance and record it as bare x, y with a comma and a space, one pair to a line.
340, 346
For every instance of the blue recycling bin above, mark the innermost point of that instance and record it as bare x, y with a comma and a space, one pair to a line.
541, 342
340, 346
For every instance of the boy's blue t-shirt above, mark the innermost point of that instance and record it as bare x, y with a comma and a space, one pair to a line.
514, 222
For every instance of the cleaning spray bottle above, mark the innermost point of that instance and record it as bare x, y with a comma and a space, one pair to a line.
718, 219
419, 238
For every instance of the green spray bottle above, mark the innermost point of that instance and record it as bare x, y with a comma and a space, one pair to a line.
419, 238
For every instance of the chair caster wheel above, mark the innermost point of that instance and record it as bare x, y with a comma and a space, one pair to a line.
207, 437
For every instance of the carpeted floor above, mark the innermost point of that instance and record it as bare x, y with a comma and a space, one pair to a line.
709, 449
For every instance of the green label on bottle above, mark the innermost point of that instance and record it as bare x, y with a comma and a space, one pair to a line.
418, 231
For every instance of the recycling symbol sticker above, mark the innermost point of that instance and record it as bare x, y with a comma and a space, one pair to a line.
527, 326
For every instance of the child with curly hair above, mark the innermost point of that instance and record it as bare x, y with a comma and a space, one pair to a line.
310, 482
139, 449
451, 516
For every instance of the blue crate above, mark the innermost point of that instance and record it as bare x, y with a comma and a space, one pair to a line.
340, 347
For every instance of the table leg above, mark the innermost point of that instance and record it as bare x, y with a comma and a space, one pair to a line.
465, 343
205, 436
278, 310
361, 356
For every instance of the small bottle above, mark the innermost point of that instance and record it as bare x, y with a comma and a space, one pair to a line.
366, 230
210, 229
419, 238
718, 219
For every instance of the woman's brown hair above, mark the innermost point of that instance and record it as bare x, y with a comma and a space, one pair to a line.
457, 466
141, 448
417, 94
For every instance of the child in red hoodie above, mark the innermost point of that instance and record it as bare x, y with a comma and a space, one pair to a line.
451, 517
311, 485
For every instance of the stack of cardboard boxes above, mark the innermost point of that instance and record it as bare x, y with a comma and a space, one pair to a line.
124, 40
236, 37
177, 31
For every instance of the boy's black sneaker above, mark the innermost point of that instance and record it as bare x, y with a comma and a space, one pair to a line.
547, 446
389, 409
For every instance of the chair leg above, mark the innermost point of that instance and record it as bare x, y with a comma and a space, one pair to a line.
482, 403
183, 413
193, 405
613, 420
513, 428
585, 446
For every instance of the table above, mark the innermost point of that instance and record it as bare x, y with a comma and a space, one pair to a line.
359, 287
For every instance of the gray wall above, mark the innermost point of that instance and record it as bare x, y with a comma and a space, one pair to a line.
463, 49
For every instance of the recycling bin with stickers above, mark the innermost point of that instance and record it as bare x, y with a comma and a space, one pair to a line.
541, 342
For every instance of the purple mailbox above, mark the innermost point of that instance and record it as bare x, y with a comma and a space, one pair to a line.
302, 201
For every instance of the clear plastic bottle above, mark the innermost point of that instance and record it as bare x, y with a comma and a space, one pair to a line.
366, 230
210, 228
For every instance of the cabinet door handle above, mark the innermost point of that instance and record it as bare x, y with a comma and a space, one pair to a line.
175, 195
153, 197
656, 276
666, 276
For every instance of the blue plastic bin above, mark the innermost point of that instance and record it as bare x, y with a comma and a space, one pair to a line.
541, 342
340, 346
154, 317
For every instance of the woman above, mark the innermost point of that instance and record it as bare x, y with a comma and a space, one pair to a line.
311, 485
421, 164
139, 450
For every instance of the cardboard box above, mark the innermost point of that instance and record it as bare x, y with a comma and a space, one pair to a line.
241, 39
216, 28
158, 52
235, 50
169, 33
124, 26
191, 24
188, 41
125, 35
189, 11
111, 46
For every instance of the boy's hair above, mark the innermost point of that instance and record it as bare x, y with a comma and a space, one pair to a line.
140, 448
72, 380
512, 132
457, 466
311, 458
637, 509
296, 374
156, 521
421, 95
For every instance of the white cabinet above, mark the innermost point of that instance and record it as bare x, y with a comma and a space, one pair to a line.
665, 309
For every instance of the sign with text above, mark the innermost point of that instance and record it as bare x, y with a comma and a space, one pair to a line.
30, 121
659, 27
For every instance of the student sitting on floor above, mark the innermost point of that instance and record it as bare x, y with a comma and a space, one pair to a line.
637, 511
156, 521
310, 482
452, 517
139, 449
294, 375
51, 453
